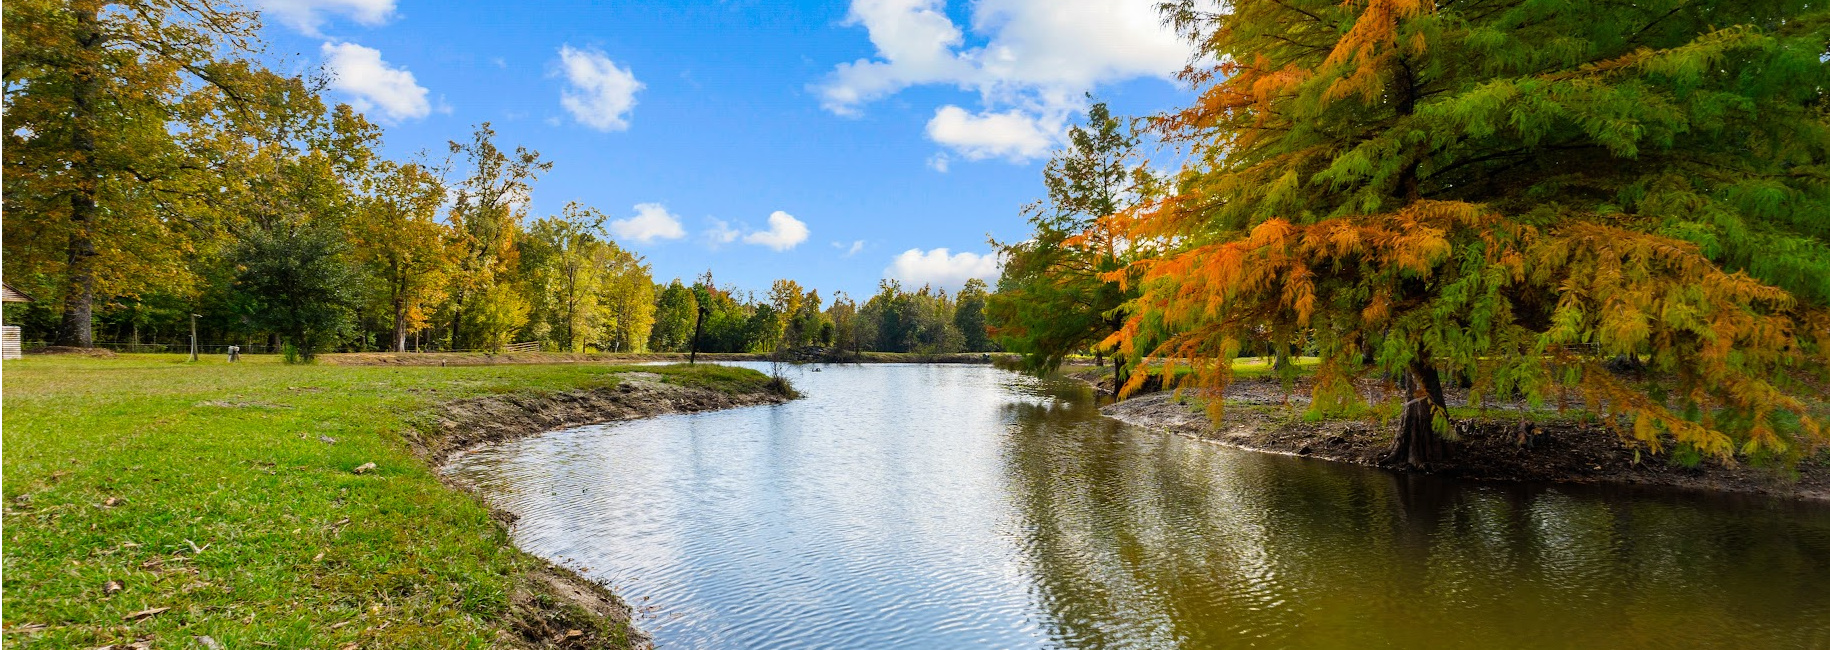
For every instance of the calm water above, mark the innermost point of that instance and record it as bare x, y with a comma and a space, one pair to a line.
967, 507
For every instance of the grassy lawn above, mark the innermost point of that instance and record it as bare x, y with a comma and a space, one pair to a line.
213, 496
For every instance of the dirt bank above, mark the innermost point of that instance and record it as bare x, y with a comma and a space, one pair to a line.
815, 355
1560, 449
553, 606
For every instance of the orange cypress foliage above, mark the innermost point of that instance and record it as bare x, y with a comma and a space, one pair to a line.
1623, 290
1511, 192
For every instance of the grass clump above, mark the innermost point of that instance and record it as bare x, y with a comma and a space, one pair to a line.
150, 498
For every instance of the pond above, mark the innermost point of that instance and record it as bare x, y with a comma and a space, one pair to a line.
945, 506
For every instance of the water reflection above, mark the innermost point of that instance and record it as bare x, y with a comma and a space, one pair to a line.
1152, 541
945, 506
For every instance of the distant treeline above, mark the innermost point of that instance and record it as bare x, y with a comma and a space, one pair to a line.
893, 320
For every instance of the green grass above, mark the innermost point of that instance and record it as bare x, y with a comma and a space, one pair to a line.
235, 514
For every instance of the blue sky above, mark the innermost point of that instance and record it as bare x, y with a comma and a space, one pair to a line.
832, 143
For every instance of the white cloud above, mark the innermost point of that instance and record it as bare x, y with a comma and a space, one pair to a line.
651, 222
850, 249
721, 233
1039, 57
784, 232
940, 269
914, 40
599, 94
939, 162
373, 84
1011, 135
309, 15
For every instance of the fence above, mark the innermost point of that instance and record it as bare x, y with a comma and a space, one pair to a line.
182, 347
219, 347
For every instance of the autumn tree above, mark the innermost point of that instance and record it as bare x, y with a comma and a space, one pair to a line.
1513, 191
808, 325
407, 250
107, 105
559, 263
785, 298
625, 299
487, 209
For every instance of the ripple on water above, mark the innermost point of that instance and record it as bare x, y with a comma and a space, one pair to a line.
961, 506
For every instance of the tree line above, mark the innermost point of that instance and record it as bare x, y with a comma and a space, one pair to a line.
1619, 206
154, 170
895, 319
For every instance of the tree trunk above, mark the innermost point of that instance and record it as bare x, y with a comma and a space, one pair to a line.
76, 328
1118, 378
400, 326
457, 318
698, 326
1418, 444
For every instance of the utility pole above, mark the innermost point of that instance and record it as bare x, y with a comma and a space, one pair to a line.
193, 337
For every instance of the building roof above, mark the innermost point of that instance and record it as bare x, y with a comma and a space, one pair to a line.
9, 294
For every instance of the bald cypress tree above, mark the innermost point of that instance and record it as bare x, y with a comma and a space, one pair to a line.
1513, 190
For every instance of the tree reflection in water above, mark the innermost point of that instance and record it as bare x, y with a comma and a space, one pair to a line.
1137, 539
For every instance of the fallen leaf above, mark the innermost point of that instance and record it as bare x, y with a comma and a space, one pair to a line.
573, 634
364, 468
111, 502
319, 557
208, 642
144, 613
112, 587
328, 440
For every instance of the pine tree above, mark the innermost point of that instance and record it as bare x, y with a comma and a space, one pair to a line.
1514, 191
1058, 294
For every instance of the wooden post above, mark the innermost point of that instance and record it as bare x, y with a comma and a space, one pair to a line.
698, 324
193, 337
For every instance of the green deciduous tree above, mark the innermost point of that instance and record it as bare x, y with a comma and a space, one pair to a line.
969, 316
1058, 294
675, 312
296, 279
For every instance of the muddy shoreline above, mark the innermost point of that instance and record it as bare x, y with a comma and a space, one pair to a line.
1552, 450
555, 607
804, 355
